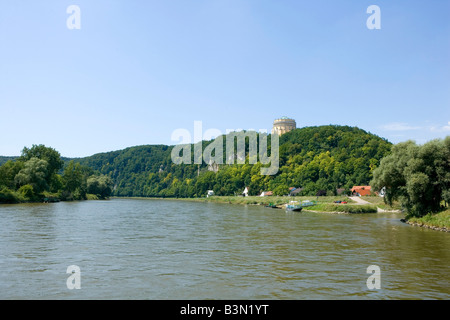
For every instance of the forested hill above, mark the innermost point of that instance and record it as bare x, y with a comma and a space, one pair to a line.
4, 159
313, 158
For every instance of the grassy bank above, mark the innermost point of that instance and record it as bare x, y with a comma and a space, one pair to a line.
324, 204
439, 220
343, 208
255, 200
379, 202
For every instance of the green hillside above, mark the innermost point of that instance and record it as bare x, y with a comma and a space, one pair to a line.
312, 158
4, 159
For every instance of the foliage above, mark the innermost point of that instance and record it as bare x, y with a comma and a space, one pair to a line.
9, 196
417, 176
38, 173
34, 173
440, 220
53, 158
8, 172
313, 158
27, 192
100, 186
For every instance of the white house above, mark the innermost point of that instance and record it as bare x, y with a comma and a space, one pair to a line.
245, 193
210, 193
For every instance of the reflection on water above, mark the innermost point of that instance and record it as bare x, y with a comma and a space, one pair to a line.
154, 249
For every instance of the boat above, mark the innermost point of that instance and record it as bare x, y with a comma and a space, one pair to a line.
294, 206
308, 203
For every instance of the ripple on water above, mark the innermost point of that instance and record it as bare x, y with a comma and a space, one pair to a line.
153, 249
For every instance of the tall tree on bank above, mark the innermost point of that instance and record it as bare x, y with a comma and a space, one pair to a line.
50, 155
417, 176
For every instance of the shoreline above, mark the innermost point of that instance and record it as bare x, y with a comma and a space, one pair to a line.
278, 201
281, 202
426, 226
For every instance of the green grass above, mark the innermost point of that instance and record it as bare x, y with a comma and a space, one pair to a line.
255, 200
379, 202
324, 204
343, 208
440, 220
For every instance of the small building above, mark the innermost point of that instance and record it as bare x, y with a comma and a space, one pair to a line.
210, 193
266, 193
245, 192
361, 191
295, 191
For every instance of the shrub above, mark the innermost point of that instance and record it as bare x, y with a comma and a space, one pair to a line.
9, 196
27, 192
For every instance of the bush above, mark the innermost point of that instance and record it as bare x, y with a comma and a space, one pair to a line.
27, 192
9, 196
90, 196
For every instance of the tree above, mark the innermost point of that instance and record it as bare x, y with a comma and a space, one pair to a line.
100, 186
74, 181
417, 176
42, 152
34, 173
50, 155
8, 172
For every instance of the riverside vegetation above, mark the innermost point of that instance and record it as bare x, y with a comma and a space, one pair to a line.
418, 176
316, 159
39, 174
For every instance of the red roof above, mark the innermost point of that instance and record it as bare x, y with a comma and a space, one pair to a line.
362, 190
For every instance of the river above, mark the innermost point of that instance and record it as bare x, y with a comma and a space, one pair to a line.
172, 249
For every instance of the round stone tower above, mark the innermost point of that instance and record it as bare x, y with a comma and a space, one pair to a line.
283, 125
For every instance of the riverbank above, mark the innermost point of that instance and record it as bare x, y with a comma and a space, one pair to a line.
438, 221
46, 198
342, 208
325, 204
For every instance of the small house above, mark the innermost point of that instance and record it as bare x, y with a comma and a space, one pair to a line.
245, 192
266, 194
210, 193
295, 191
361, 191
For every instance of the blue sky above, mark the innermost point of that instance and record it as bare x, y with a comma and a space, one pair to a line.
138, 70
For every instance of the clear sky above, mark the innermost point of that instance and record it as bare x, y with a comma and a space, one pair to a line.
138, 70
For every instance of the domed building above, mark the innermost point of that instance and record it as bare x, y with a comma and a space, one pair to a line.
283, 125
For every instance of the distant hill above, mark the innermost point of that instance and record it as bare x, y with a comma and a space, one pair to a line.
4, 159
311, 158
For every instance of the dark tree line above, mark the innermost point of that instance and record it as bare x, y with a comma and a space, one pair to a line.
40, 173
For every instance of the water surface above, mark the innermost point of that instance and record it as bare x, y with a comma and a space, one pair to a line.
162, 249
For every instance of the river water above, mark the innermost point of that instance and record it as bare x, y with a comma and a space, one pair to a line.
163, 249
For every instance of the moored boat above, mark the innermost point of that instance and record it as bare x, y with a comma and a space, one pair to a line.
294, 206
